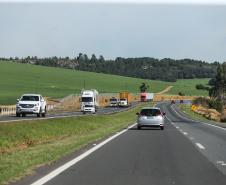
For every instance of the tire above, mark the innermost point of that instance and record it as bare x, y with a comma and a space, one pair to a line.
23, 115
17, 114
139, 128
39, 114
44, 114
162, 128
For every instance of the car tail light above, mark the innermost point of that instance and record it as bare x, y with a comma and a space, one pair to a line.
141, 115
159, 115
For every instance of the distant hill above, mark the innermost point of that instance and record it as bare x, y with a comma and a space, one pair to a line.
52, 82
167, 69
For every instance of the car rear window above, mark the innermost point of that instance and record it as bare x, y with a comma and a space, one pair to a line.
150, 112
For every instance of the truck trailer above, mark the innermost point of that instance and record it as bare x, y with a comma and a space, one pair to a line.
147, 97
124, 99
90, 100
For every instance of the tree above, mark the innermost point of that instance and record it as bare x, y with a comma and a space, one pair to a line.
220, 83
143, 87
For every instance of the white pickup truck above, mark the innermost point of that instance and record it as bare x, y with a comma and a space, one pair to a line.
31, 104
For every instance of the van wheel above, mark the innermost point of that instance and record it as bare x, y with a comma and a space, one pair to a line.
23, 115
17, 115
162, 128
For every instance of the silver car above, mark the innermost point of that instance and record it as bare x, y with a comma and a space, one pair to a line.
150, 117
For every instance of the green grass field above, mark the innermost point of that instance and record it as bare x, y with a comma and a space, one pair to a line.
17, 79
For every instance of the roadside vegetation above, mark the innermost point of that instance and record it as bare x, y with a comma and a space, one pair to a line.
25, 145
188, 111
51, 82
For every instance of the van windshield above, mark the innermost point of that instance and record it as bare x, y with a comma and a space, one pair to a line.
87, 99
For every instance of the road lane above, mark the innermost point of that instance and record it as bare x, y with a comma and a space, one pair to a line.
147, 156
105, 110
210, 139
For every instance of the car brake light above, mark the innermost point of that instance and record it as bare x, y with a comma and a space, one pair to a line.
159, 115
141, 115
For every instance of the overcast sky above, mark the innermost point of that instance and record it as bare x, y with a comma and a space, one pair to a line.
194, 29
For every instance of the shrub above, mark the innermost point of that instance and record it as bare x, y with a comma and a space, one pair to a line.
223, 118
181, 94
201, 101
216, 105
199, 86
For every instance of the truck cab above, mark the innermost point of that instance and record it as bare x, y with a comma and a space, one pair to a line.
114, 102
89, 101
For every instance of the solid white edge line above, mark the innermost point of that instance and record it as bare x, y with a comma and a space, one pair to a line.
56, 172
197, 121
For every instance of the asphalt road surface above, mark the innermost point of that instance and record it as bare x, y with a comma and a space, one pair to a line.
105, 110
187, 152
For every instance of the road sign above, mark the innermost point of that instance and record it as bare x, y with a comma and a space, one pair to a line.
193, 107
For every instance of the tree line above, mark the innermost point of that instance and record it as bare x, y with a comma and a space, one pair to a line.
146, 67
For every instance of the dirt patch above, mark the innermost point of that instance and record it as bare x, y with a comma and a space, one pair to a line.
167, 89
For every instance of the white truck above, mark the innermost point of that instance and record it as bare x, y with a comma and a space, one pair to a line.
114, 102
90, 101
31, 104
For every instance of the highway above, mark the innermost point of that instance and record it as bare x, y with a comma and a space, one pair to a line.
105, 110
187, 152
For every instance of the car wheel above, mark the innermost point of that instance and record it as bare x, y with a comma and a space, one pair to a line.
23, 115
39, 114
162, 128
17, 115
44, 114
139, 128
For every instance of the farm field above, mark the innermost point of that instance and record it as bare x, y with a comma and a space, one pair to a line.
18, 79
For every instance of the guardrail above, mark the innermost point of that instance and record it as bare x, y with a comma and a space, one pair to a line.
7, 111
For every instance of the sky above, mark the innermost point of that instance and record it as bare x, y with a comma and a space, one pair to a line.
176, 29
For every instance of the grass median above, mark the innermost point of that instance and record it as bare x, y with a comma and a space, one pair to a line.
28, 144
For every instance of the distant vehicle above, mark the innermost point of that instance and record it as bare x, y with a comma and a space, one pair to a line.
145, 97
124, 99
31, 104
90, 101
173, 101
114, 102
150, 117
181, 101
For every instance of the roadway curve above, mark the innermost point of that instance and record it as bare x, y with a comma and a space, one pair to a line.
186, 152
